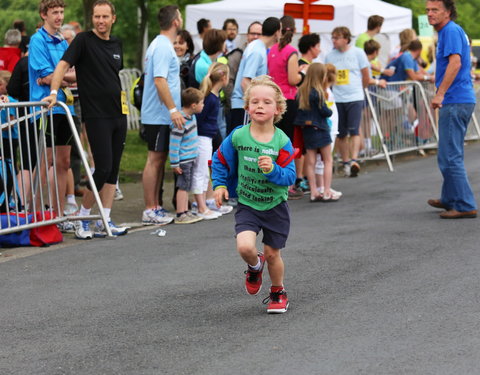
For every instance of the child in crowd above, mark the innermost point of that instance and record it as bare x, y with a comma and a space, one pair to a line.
214, 81
8, 148
183, 152
330, 80
312, 117
259, 157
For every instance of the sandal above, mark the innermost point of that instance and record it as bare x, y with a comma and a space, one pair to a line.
333, 197
318, 198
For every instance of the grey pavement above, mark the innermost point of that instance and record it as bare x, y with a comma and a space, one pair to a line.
378, 284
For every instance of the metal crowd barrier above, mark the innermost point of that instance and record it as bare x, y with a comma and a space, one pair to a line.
27, 189
127, 78
400, 119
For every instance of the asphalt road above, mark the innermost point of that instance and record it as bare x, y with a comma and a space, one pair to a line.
378, 284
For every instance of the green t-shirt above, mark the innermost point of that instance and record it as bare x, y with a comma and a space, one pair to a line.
362, 38
253, 187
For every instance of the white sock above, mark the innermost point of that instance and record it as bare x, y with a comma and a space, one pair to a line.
71, 199
107, 212
257, 266
84, 211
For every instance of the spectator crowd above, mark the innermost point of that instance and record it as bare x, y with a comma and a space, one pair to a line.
192, 98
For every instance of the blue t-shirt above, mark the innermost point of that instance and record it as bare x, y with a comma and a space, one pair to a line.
253, 64
349, 86
452, 40
44, 53
403, 63
5, 119
201, 67
160, 61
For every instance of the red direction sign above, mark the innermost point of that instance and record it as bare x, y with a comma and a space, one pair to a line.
307, 11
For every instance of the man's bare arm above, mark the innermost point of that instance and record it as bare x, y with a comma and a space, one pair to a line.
166, 97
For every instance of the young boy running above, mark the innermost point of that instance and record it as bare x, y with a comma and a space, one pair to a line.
256, 162
184, 151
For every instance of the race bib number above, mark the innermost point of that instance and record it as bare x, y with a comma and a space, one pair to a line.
343, 77
329, 104
123, 100
68, 96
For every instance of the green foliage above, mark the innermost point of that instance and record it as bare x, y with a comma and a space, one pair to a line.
467, 11
126, 27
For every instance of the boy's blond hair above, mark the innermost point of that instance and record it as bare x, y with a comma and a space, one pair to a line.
279, 98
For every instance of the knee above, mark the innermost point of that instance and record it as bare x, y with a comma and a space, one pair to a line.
272, 256
63, 163
245, 249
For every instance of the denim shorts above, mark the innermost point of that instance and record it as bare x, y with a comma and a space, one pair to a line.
275, 223
184, 180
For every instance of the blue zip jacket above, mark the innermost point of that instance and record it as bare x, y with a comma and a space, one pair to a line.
225, 166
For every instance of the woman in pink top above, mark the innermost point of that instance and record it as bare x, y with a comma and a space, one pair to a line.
284, 70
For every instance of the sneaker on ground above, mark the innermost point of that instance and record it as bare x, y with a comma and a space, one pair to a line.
165, 212
70, 209
354, 169
305, 186
294, 193
346, 170
253, 280
99, 230
82, 230
223, 209
232, 202
118, 195
185, 218
154, 217
209, 215
277, 302
66, 227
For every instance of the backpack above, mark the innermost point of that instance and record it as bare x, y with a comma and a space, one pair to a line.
190, 65
136, 92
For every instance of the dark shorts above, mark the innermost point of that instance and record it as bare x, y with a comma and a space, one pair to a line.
315, 138
238, 116
158, 137
288, 118
184, 180
62, 133
275, 223
349, 117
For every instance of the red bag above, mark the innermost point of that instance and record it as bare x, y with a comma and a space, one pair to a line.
45, 235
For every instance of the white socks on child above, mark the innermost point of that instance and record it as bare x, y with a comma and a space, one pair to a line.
257, 266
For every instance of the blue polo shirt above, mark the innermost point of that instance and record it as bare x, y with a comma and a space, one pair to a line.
402, 64
453, 40
5, 114
44, 53
160, 61
253, 64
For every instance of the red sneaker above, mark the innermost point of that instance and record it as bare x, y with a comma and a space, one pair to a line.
253, 281
277, 302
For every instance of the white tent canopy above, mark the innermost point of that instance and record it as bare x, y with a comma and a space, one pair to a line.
351, 13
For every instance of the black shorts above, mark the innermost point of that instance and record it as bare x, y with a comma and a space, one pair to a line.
184, 180
158, 137
62, 133
275, 223
349, 118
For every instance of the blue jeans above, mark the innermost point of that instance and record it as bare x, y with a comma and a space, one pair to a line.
453, 122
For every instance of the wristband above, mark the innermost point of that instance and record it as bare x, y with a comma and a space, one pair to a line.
425, 78
53, 92
377, 82
173, 110
382, 70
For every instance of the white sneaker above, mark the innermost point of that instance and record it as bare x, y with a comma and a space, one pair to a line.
66, 227
223, 209
155, 217
82, 230
100, 231
209, 215
118, 195
70, 209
